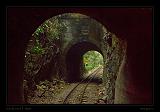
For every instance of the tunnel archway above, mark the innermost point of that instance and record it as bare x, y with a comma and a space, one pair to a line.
142, 32
74, 59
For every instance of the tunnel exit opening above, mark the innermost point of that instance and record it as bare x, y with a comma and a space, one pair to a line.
93, 60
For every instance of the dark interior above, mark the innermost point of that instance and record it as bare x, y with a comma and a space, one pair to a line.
74, 58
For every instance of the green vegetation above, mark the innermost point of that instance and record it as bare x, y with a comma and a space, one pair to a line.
92, 59
37, 48
39, 30
52, 28
43, 46
42, 41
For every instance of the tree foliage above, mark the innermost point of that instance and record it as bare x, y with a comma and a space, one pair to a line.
92, 59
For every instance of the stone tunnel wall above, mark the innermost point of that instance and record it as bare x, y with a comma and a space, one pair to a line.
114, 55
86, 30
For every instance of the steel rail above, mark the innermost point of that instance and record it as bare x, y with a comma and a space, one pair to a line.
69, 94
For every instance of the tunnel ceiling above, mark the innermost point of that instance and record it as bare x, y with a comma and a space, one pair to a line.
82, 47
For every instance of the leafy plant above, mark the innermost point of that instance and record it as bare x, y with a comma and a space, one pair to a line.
38, 32
37, 49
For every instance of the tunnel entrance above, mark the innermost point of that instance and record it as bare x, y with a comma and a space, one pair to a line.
74, 60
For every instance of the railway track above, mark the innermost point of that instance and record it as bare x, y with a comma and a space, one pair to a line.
80, 88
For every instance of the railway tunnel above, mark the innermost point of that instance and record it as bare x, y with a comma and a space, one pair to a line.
133, 25
74, 59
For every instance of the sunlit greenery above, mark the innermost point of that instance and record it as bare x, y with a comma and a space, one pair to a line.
92, 59
38, 31
52, 28
37, 49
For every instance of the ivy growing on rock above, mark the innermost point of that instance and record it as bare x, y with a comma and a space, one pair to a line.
37, 49
43, 48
